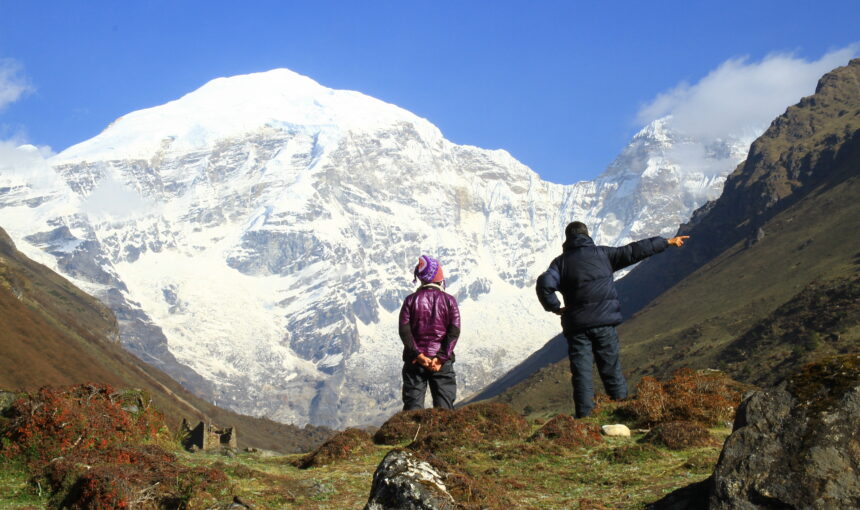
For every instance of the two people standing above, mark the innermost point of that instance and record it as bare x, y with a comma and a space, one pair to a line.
429, 324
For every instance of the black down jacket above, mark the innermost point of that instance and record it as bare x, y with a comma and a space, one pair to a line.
583, 275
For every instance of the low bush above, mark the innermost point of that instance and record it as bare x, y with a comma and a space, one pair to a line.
470, 491
568, 432
342, 445
678, 435
435, 429
81, 420
407, 426
97, 448
707, 397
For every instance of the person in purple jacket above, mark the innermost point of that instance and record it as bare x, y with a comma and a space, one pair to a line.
429, 329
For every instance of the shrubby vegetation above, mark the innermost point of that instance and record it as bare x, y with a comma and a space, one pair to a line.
91, 446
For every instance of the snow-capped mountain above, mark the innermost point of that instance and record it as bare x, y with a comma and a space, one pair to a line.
256, 237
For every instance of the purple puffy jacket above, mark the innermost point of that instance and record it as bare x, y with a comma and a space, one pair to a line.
429, 324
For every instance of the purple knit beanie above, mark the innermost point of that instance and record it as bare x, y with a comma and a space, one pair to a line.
426, 269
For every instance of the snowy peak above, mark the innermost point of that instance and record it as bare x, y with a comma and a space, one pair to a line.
226, 108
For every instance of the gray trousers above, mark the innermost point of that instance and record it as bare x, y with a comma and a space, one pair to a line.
584, 347
443, 386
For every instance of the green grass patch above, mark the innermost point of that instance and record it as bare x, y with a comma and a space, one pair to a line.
16, 492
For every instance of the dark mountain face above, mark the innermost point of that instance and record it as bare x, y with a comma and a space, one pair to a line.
52, 333
768, 279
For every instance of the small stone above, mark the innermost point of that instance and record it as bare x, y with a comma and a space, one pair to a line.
617, 430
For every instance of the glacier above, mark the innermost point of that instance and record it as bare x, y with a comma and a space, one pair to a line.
256, 237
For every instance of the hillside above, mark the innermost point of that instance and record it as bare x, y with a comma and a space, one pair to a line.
55, 334
769, 279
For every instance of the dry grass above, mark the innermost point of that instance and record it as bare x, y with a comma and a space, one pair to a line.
91, 447
499, 470
707, 397
342, 446
563, 430
678, 435
407, 426
431, 430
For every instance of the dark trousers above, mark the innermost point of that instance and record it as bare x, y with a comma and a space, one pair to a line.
584, 347
443, 386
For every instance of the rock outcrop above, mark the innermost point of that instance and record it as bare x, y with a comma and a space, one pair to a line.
403, 482
796, 446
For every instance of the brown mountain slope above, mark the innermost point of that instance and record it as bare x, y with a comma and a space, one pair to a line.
769, 277
52, 333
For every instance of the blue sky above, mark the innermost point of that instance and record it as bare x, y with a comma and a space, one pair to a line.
560, 85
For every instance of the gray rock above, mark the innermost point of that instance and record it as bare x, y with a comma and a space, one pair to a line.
798, 445
403, 482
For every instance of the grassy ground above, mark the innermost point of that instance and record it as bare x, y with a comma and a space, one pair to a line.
482, 448
619, 473
15, 490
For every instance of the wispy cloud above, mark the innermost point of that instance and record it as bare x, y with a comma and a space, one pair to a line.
113, 199
13, 83
741, 97
26, 165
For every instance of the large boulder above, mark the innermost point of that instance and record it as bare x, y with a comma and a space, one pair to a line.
404, 482
796, 446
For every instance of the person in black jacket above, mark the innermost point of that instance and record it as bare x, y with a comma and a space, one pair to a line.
583, 275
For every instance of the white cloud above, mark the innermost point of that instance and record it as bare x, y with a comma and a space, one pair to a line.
13, 83
26, 165
113, 199
740, 97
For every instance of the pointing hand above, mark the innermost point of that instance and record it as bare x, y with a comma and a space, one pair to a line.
678, 241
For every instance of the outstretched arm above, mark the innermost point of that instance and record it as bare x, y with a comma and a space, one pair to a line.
634, 252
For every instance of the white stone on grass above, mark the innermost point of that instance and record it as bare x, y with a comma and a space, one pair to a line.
617, 430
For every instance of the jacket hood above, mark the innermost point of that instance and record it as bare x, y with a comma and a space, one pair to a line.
577, 241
